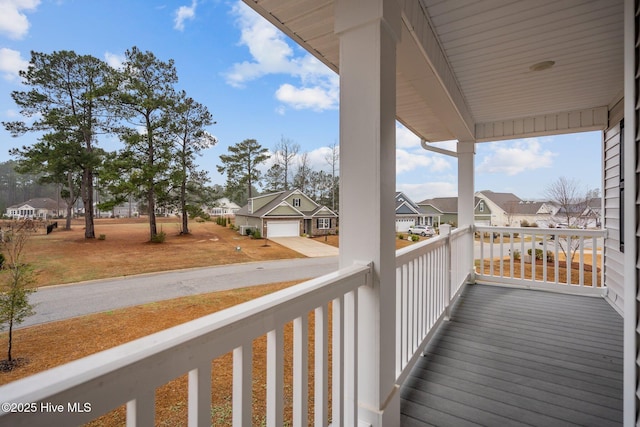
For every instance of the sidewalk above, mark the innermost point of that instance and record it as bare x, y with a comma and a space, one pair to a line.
306, 246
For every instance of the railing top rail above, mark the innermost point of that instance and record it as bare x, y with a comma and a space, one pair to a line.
544, 231
407, 253
229, 326
410, 252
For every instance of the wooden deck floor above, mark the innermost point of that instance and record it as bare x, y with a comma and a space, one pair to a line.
512, 357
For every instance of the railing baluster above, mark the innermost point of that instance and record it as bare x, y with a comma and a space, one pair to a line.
300, 371
242, 385
544, 258
501, 254
533, 257
199, 411
568, 256
275, 374
581, 274
351, 359
141, 411
321, 369
337, 362
545, 243
522, 255
594, 262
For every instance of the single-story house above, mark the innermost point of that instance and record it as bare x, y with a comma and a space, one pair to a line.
507, 209
286, 214
42, 207
444, 210
223, 207
408, 213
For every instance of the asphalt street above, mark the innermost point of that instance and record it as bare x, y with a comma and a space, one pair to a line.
78, 299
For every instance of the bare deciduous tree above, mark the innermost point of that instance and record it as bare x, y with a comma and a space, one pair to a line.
17, 278
286, 151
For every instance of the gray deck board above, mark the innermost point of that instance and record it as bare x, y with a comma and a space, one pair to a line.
513, 357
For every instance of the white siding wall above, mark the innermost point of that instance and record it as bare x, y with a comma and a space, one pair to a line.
614, 259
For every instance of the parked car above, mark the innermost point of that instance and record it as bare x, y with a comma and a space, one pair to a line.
422, 230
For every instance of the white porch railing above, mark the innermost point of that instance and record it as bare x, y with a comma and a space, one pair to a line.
132, 372
429, 277
556, 259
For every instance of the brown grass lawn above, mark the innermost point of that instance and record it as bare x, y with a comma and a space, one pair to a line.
65, 256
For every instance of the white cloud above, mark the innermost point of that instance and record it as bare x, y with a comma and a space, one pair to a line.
13, 22
407, 161
516, 157
428, 190
11, 62
405, 138
271, 54
114, 60
183, 13
314, 98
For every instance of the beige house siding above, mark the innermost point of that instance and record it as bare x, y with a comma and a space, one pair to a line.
283, 210
614, 259
248, 221
305, 203
259, 201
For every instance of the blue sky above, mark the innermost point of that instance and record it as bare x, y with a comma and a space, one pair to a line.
258, 84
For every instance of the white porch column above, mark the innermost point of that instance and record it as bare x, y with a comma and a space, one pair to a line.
368, 32
466, 195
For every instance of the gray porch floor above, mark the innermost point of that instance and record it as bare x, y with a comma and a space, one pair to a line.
512, 357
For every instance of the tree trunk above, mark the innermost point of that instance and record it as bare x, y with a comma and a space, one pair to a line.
183, 205
153, 230
87, 200
69, 201
9, 358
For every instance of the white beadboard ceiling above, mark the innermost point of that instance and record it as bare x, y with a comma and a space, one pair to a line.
464, 65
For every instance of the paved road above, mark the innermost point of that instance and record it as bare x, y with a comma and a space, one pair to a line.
65, 301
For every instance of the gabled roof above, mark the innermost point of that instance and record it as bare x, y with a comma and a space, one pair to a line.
443, 204
406, 206
278, 199
505, 201
41, 203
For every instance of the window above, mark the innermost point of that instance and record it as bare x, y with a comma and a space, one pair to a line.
250, 207
324, 223
481, 207
296, 203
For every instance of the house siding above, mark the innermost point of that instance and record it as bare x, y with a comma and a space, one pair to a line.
284, 210
305, 203
259, 202
248, 221
614, 259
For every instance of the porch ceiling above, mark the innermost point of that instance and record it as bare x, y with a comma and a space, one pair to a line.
464, 66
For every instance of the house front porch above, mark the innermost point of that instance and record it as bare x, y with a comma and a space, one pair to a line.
520, 357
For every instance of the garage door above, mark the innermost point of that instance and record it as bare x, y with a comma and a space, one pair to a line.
283, 228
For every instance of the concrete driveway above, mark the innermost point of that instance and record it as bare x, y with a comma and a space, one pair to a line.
306, 246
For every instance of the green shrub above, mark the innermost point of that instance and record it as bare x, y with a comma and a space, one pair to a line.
256, 234
159, 237
401, 236
524, 223
516, 255
534, 224
414, 238
539, 253
102, 237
